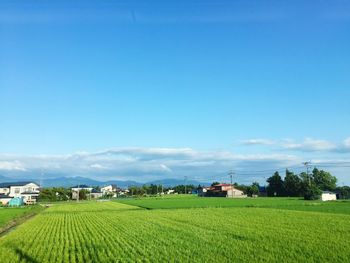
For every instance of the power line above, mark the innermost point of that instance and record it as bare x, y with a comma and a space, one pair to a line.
308, 165
231, 173
266, 171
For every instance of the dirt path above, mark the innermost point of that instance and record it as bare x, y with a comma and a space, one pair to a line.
16, 222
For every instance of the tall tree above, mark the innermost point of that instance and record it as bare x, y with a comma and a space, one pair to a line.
292, 184
253, 189
275, 187
324, 180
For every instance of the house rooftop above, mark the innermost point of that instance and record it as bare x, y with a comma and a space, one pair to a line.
222, 185
7, 185
5, 196
29, 193
81, 186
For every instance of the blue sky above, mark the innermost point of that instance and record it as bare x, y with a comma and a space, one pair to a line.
249, 79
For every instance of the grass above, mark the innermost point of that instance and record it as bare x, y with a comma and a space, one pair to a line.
8, 214
112, 231
172, 202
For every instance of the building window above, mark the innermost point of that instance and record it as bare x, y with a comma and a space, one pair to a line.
17, 190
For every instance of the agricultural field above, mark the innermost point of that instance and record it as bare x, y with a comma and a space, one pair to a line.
190, 201
112, 231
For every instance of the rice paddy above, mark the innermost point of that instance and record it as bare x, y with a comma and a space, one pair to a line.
117, 232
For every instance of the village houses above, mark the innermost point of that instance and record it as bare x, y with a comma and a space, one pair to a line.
91, 192
23, 192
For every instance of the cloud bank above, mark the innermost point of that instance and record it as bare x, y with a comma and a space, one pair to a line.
307, 145
146, 164
141, 164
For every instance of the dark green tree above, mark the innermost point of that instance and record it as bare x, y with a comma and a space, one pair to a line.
292, 184
253, 189
275, 187
312, 192
344, 192
324, 180
83, 194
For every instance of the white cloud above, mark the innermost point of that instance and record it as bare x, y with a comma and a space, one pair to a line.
97, 166
310, 144
165, 168
347, 143
307, 145
11, 166
141, 163
258, 142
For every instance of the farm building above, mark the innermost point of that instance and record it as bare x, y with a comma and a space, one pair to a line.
28, 191
328, 196
221, 190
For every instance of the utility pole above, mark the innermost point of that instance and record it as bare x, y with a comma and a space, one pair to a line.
307, 165
185, 184
231, 174
78, 194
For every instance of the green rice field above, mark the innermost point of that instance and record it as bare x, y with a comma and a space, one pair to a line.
239, 232
190, 201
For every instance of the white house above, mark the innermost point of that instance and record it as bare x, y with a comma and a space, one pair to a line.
28, 191
109, 190
328, 196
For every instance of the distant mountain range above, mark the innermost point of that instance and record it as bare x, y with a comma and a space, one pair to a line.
72, 181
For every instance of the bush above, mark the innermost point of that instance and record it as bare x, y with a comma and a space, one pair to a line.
312, 193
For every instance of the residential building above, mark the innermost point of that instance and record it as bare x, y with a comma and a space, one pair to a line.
27, 191
94, 194
110, 190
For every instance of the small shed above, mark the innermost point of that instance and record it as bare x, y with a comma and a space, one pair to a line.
17, 201
328, 196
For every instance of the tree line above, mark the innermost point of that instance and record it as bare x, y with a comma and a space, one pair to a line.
309, 186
